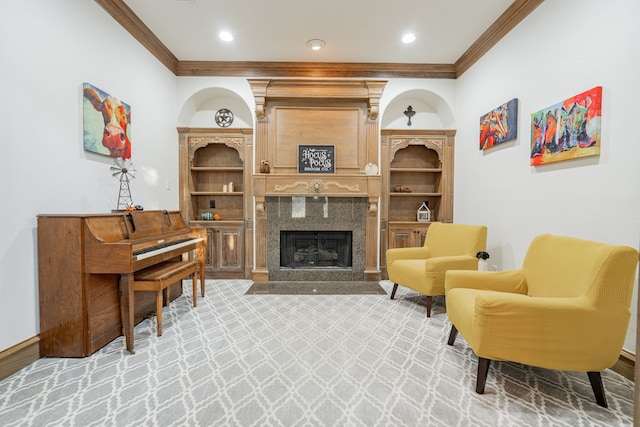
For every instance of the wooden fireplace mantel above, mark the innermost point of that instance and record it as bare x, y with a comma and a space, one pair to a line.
317, 185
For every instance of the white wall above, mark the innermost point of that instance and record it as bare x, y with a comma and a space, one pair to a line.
563, 48
47, 50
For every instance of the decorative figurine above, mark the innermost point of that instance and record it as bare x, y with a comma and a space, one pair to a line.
264, 167
371, 169
424, 213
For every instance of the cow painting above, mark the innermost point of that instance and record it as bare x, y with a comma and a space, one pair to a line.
106, 132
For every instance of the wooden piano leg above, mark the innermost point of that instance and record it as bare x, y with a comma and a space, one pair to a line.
194, 283
201, 259
126, 309
202, 277
159, 305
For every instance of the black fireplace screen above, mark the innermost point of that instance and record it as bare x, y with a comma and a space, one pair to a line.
316, 249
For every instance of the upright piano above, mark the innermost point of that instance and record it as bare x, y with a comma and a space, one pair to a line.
87, 262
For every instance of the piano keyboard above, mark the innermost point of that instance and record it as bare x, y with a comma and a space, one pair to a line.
164, 247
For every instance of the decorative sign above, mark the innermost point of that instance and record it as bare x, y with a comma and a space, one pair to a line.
316, 159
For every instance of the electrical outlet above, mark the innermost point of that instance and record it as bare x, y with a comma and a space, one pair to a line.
212, 204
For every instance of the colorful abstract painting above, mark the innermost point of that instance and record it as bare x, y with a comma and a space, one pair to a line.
499, 125
106, 123
568, 129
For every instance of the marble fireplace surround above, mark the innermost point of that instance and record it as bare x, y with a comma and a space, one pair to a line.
360, 193
319, 213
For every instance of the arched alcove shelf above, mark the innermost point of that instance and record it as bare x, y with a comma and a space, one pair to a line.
199, 110
431, 111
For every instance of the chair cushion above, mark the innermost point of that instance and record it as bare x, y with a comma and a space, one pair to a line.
413, 274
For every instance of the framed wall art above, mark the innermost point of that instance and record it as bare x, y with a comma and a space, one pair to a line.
499, 125
106, 123
567, 130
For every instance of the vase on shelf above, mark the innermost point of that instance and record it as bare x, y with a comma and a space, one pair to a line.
264, 166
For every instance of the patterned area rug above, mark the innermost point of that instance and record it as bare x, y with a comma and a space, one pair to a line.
316, 288
297, 360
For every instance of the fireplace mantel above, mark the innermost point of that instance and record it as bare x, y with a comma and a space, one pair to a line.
317, 185
367, 186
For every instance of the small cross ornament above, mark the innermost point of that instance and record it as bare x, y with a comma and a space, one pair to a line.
409, 113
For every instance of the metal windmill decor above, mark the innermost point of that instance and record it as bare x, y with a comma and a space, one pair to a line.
123, 170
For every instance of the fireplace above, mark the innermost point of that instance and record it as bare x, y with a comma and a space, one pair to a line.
315, 249
316, 238
323, 112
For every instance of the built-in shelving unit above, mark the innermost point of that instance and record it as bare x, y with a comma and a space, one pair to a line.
212, 164
420, 168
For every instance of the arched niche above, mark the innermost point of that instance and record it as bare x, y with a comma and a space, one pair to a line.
431, 111
199, 109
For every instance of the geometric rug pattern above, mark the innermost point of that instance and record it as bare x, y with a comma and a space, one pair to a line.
300, 360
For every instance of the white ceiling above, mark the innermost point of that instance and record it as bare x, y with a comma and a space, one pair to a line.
354, 30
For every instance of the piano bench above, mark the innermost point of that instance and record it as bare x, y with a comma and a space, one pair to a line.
159, 277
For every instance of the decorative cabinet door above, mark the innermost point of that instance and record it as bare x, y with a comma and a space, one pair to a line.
405, 236
225, 253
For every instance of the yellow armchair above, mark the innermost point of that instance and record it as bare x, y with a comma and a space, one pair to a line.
567, 308
446, 247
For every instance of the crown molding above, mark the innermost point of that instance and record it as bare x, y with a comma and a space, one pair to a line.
511, 17
315, 69
139, 30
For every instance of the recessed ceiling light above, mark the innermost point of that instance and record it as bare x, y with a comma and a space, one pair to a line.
408, 38
315, 44
226, 36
